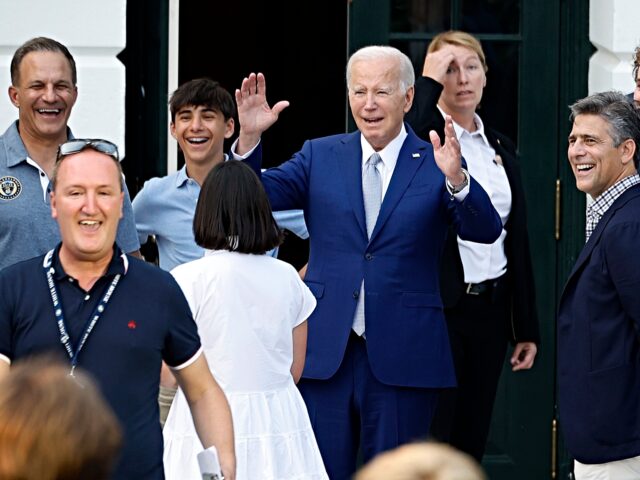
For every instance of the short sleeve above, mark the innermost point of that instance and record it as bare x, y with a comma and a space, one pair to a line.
183, 342
141, 212
127, 237
307, 301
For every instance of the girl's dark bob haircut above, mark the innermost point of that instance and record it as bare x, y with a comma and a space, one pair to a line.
233, 212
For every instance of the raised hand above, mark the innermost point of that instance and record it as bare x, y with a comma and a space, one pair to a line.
437, 63
448, 156
254, 113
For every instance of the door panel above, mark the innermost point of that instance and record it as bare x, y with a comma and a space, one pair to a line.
303, 62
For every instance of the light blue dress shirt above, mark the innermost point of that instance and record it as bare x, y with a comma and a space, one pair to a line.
165, 208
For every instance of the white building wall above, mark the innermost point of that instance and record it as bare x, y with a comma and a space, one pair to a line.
95, 32
613, 30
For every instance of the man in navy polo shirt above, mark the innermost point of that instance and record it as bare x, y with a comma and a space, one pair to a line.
115, 316
43, 89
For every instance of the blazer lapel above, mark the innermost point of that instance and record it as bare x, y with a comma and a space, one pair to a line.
411, 156
597, 233
349, 169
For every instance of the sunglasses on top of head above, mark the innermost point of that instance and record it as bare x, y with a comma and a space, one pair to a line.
79, 144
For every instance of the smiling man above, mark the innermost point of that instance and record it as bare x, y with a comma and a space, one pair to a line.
599, 311
114, 315
43, 89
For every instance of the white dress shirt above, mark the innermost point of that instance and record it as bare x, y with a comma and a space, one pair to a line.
484, 261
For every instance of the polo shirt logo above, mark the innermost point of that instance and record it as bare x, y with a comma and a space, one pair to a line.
10, 188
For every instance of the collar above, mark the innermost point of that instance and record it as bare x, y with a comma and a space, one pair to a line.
461, 130
601, 204
209, 252
119, 264
182, 177
16, 151
388, 154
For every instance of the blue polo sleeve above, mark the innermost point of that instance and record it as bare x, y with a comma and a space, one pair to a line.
144, 212
6, 318
127, 237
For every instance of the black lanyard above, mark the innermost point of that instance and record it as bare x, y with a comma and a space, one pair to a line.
57, 308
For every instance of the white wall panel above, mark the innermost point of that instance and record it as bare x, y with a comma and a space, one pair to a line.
613, 30
95, 32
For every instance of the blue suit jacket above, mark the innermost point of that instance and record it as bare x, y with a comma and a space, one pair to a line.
598, 343
407, 340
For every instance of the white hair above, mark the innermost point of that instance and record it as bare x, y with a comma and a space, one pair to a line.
406, 77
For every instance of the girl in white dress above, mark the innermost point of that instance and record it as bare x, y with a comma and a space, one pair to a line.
251, 312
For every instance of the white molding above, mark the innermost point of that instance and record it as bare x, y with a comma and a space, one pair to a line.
172, 76
95, 32
613, 30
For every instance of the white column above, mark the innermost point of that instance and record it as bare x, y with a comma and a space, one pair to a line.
613, 30
95, 32
174, 22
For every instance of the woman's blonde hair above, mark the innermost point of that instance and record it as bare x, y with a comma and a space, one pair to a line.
461, 39
422, 461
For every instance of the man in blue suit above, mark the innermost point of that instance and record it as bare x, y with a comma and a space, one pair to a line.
599, 311
378, 352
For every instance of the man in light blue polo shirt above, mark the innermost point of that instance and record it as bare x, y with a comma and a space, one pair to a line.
202, 114
43, 89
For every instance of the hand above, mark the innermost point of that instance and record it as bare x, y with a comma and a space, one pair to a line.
228, 468
437, 63
448, 157
254, 113
523, 355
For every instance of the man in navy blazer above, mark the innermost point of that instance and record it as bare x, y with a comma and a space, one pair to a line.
599, 311
377, 388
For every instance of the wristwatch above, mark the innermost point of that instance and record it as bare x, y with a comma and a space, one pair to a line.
461, 186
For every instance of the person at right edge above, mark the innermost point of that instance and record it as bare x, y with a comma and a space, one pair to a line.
488, 290
598, 362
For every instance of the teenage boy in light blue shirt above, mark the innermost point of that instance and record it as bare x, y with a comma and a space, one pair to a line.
202, 117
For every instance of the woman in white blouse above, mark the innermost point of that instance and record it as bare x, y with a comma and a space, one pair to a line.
488, 291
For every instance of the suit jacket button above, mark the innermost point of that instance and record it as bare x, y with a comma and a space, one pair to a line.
356, 294
368, 256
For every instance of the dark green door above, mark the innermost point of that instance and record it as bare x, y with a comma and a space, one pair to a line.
537, 54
